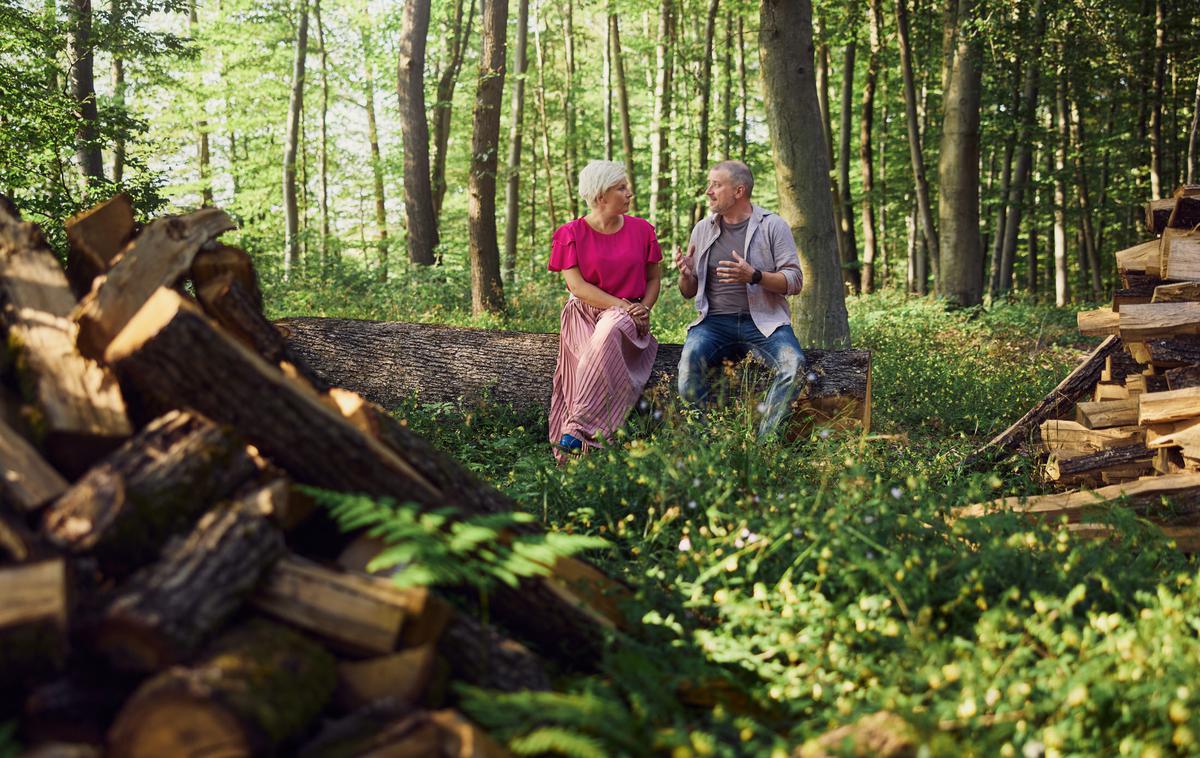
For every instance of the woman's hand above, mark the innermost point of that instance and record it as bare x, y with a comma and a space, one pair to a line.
641, 317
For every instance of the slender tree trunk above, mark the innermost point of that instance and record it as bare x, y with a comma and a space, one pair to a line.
822, 72
728, 77
118, 86
1031, 272
545, 122
1024, 165
801, 167
996, 282
660, 148
1193, 135
885, 273
1059, 170
444, 108
377, 162
743, 97
1156, 111
324, 150
203, 155
414, 130
866, 150
568, 101
623, 103
512, 195
849, 250
608, 92
710, 30
1101, 206
83, 91
487, 289
961, 266
913, 122
1085, 206
291, 215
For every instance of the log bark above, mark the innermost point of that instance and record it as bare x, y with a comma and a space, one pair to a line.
1084, 467
389, 362
1183, 376
1172, 353
81, 414
1143, 494
487, 289
256, 687
1058, 403
157, 485
27, 482
414, 128
165, 611
33, 619
157, 258
388, 728
481, 655
95, 237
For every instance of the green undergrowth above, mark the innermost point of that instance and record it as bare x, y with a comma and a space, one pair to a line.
786, 589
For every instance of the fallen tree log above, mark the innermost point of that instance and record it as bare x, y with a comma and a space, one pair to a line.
1141, 494
388, 362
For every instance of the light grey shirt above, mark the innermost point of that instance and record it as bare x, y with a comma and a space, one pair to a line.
769, 247
727, 297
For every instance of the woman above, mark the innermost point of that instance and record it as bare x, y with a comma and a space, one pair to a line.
610, 262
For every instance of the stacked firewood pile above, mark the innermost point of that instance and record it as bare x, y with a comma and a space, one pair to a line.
1126, 422
167, 588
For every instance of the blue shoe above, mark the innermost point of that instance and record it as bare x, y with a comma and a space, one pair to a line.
570, 444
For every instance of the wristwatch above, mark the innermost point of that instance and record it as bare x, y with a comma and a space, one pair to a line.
757, 277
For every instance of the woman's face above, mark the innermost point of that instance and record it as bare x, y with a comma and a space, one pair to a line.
616, 198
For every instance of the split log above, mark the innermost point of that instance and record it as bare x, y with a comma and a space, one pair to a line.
1177, 292
1173, 405
173, 354
156, 485
79, 408
1058, 403
1172, 353
1069, 438
95, 238
160, 255
1158, 213
1100, 322
1186, 213
1143, 494
1186, 538
359, 614
27, 482
1181, 259
391, 731
1107, 413
403, 676
1137, 258
1184, 376
1087, 467
165, 611
33, 619
1139, 323
389, 362
257, 687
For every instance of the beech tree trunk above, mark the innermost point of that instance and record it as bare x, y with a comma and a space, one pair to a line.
822, 74
961, 268
324, 147
516, 130
487, 289
569, 95
414, 130
118, 85
545, 121
866, 150
1059, 168
1156, 111
83, 90
660, 146
291, 213
1006, 162
1085, 202
849, 251
801, 167
623, 105
444, 107
1193, 134
377, 161
710, 30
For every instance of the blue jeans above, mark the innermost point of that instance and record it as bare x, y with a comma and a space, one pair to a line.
730, 337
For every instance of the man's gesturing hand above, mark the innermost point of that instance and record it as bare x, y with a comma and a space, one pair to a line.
686, 263
736, 270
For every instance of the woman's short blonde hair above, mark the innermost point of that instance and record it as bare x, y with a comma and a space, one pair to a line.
598, 177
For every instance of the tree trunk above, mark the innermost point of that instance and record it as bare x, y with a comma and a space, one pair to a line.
710, 30
608, 93
291, 243
1193, 135
203, 154
801, 167
822, 74
83, 91
545, 122
324, 156
516, 130
1059, 169
487, 290
623, 104
386, 362
727, 75
1024, 165
118, 85
995, 286
410, 89
866, 150
568, 102
1156, 110
743, 97
1085, 203
961, 268
849, 251
377, 160
444, 107
660, 147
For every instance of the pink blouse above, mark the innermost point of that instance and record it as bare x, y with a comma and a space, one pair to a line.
616, 263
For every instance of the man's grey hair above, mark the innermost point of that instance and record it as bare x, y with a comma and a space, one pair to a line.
739, 173
598, 177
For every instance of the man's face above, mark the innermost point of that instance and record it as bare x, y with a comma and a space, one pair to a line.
721, 191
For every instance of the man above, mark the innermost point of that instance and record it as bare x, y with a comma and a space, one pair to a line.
740, 266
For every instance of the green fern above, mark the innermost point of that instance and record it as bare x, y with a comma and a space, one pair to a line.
439, 547
557, 741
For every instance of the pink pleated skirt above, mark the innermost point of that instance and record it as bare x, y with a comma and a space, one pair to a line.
603, 366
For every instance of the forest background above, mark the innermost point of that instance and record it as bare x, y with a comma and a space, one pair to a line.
822, 579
